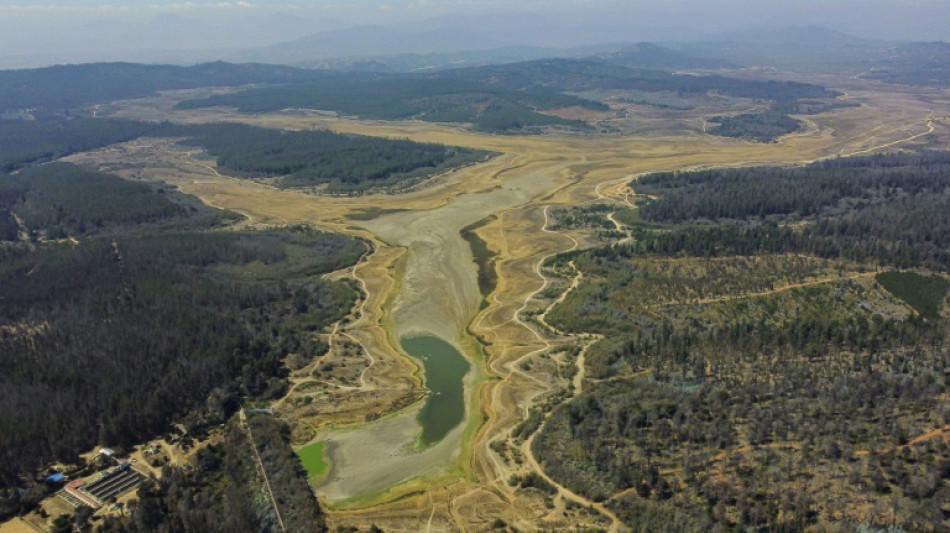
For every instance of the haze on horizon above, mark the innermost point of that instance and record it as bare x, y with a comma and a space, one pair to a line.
42, 32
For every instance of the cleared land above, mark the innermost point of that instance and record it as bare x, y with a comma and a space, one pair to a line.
421, 279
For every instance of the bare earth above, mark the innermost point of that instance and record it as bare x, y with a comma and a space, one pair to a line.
421, 279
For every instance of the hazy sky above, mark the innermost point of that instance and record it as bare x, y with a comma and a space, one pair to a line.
863, 15
36, 27
723, 13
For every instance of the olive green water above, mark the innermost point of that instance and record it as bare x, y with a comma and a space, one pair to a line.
445, 368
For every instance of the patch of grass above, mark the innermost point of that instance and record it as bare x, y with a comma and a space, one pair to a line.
484, 258
314, 460
924, 293
372, 212
632, 218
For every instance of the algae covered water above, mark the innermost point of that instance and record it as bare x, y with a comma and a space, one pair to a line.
445, 368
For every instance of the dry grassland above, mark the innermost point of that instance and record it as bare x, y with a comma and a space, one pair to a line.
471, 490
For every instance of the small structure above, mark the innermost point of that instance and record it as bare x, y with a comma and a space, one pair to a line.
98, 491
78, 497
108, 452
58, 477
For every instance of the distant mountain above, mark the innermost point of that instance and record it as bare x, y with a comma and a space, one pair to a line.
799, 47
454, 34
163, 39
561, 31
370, 41
792, 35
77, 86
652, 56
438, 61
935, 54
914, 64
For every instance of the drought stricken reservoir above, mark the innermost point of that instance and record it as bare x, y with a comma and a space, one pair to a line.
437, 297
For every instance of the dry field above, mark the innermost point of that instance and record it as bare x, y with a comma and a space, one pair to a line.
421, 278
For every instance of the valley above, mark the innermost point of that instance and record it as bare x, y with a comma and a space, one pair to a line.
420, 279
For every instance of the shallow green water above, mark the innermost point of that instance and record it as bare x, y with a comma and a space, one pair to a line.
314, 459
445, 369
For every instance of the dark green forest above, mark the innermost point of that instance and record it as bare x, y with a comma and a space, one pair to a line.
755, 372
504, 98
60, 200
343, 163
25, 142
762, 127
70, 87
149, 317
890, 210
436, 98
499, 98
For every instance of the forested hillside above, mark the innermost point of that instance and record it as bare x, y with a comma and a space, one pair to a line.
69, 87
913, 64
508, 98
341, 163
59, 200
763, 364
437, 98
145, 315
887, 210
25, 142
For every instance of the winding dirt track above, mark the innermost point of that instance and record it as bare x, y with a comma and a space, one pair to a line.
432, 287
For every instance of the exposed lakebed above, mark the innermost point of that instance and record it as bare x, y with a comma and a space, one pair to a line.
438, 294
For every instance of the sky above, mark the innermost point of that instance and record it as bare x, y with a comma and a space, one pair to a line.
855, 13
48, 28
356, 11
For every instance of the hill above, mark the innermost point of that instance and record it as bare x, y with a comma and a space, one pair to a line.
753, 369
652, 56
799, 47
124, 309
69, 87
914, 64
500, 98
